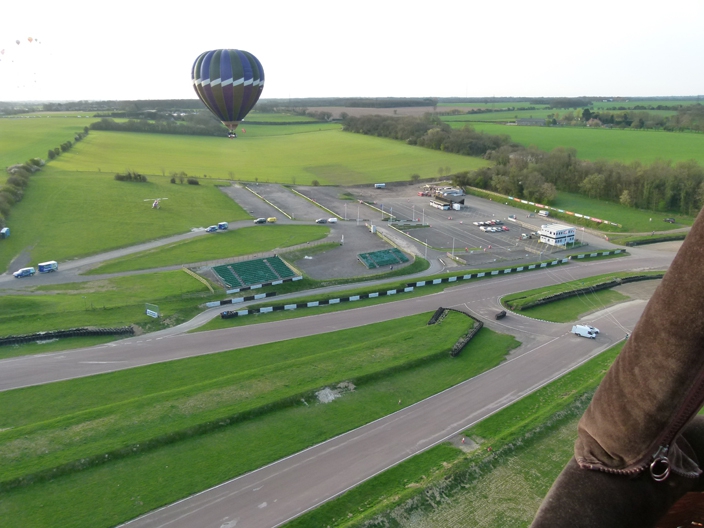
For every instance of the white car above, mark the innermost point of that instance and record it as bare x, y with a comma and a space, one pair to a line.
594, 330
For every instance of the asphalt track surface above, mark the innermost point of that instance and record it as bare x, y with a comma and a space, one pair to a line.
287, 488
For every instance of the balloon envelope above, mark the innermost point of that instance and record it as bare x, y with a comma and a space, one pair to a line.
229, 82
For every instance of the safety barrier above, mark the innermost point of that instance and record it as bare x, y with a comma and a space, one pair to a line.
58, 334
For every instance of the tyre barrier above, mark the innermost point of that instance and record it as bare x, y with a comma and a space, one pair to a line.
263, 284
493, 273
590, 289
440, 314
655, 240
436, 316
465, 339
311, 304
240, 299
71, 332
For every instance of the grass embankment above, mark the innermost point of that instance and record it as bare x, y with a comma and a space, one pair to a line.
643, 240
592, 144
80, 418
66, 215
531, 441
223, 244
571, 308
104, 303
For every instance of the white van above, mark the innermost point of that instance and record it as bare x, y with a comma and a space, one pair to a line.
544, 213
584, 331
332, 220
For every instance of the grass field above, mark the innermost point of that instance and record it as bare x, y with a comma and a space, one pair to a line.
24, 138
512, 115
296, 152
141, 482
492, 105
631, 220
70, 214
104, 303
611, 144
231, 243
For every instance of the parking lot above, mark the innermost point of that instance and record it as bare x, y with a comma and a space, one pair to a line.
450, 231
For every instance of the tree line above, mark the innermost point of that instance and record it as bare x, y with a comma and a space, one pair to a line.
534, 175
196, 126
687, 118
12, 191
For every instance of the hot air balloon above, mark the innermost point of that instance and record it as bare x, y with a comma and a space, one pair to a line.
30, 39
229, 82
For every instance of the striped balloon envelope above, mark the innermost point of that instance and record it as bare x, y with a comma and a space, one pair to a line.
229, 82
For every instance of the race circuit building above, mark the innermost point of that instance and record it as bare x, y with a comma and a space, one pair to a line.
556, 234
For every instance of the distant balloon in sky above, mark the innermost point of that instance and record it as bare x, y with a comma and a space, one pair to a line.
30, 39
229, 82
18, 42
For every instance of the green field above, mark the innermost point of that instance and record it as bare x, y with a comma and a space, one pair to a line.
614, 105
493, 105
601, 143
24, 138
111, 302
70, 214
287, 153
632, 220
512, 115
121, 409
225, 244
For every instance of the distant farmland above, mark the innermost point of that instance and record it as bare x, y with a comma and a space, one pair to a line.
600, 143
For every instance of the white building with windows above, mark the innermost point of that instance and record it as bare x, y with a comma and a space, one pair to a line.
556, 234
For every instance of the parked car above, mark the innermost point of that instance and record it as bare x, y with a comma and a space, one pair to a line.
670, 220
260, 221
477, 223
24, 272
321, 221
211, 229
332, 220
505, 228
271, 220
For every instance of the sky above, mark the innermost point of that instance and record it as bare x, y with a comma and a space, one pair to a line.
384, 48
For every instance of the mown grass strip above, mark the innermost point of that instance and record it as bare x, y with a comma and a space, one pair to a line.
55, 424
119, 490
225, 244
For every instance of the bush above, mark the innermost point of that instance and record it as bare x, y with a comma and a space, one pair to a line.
193, 181
131, 176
